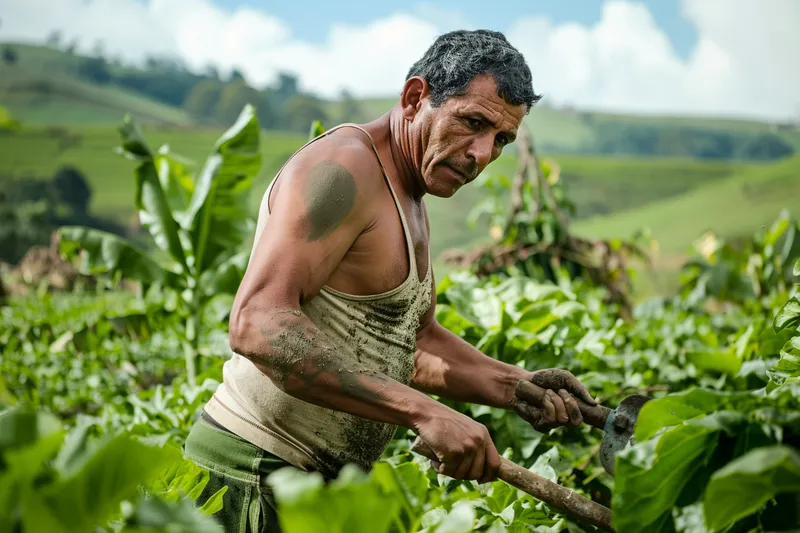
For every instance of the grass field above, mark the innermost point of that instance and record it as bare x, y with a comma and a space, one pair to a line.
749, 199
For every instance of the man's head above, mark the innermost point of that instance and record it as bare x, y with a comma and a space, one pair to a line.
465, 100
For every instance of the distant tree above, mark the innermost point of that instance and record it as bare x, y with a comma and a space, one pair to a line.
301, 110
236, 76
53, 39
99, 49
234, 97
9, 55
95, 70
766, 146
72, 189
351, 110
212, 73
288, 86
202, 100
71, 47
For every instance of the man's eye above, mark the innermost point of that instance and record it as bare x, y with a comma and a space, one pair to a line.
502, 140
474, 123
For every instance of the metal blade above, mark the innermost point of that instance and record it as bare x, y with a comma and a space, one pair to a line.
619, 429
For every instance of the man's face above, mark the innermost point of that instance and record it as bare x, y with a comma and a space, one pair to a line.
463, 135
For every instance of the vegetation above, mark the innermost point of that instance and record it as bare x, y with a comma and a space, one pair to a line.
96, 399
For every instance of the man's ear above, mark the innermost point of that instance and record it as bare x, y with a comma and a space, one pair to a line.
415, 93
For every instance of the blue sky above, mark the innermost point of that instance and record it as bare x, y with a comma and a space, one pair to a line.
311, 19
732, 58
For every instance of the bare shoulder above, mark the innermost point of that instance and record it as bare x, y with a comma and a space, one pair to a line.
340, 168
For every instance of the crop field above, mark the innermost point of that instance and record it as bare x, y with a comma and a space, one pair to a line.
100, 384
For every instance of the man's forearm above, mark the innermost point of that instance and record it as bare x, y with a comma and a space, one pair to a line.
300, 360
452, 368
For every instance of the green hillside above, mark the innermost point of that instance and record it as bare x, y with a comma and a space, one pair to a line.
732, 207
41, 89
37, 152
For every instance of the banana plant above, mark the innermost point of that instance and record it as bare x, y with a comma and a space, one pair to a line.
198, 224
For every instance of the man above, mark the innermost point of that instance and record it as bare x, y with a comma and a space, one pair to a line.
333, 332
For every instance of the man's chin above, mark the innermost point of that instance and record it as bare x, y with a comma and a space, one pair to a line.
444, 190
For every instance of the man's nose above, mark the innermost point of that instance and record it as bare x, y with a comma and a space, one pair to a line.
481, 149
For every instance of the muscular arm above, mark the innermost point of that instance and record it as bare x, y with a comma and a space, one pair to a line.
321, 207
450, 367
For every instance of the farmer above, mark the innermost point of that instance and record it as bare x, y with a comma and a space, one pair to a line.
333, 332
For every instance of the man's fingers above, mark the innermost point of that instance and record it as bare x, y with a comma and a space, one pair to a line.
476, 470
491, 463
528, 412
463, 467
576, 388
548, 410
556, 378
561, 411
574, 412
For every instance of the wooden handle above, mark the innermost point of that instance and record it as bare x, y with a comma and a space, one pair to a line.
595, 415
543, 489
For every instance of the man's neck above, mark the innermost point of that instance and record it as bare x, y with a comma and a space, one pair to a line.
405, 151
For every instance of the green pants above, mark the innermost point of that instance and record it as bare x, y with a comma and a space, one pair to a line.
248, 505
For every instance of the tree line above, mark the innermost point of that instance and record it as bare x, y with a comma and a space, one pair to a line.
32, 207
210, 98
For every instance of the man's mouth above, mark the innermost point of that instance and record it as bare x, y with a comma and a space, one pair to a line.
462, 176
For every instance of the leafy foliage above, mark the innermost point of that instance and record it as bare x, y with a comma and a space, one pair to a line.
53, 480
179, 210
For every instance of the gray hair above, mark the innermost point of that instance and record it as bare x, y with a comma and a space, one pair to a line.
455, 58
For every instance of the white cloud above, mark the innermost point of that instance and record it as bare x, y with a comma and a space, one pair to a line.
744, 62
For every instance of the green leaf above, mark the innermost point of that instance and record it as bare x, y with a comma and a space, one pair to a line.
175, 179
796, 270
23, 464
788, 365
112, 472
21, 427
744, 485
151, 200
460, 519
215, 502
681, 406
316, 130
7, 121
788, 316
650, 476
308, 505
157, 515
218, 217
722, 361
225, 278
106, 253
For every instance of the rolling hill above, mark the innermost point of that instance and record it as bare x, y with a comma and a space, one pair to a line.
734, 206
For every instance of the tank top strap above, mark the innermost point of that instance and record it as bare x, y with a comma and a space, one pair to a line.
403, 221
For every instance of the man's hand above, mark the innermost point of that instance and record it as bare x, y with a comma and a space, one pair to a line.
558, 408
463, 446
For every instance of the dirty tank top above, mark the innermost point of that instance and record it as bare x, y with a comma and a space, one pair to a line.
377, 331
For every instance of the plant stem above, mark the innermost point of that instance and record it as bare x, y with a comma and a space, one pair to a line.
191, 346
